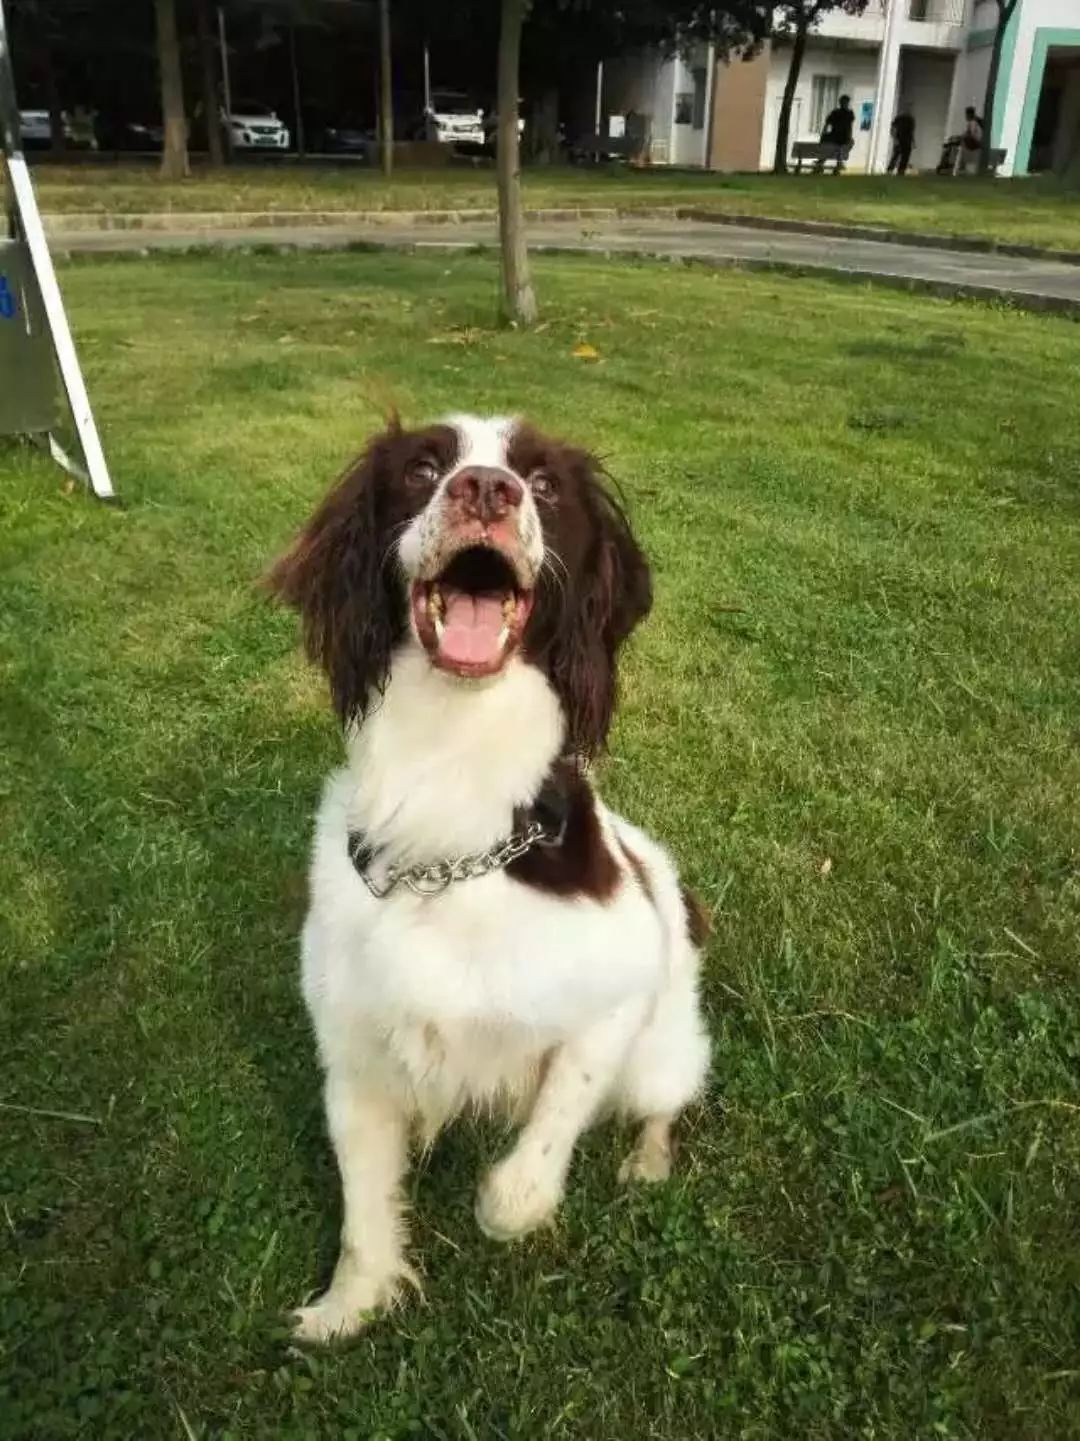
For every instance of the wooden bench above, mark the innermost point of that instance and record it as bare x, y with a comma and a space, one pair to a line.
820, 151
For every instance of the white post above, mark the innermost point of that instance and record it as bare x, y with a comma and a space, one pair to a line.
885, 88
34, 235
427, 80
710, 86
599, 96
24, 205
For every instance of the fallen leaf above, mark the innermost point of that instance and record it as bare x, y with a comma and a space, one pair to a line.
826, 866
584, 351
67, 487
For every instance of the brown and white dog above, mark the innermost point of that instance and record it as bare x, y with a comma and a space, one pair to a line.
482, 928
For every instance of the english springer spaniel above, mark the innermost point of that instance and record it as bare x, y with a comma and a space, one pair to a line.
482, 929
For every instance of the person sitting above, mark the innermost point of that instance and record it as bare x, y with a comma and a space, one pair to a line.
902, 131
961, 152
839, 130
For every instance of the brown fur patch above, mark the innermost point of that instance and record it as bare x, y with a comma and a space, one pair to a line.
698, 919
581, 865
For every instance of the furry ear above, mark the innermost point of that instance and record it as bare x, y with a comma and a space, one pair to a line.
613, 595
339, 575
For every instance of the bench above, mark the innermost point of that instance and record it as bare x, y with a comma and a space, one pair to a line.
952, 154
820, 151
606, 147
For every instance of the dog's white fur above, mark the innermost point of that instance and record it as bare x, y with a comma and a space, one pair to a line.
562, 1008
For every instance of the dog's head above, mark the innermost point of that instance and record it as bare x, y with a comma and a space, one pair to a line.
478, 541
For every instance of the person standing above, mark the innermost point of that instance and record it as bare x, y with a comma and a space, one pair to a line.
839, 130
902, 131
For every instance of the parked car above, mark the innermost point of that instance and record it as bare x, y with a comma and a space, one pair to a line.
256, 127
453, 119
331, 133
118, 133
35, 129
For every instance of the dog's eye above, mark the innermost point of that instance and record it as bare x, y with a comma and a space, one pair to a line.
423, 472
542, 483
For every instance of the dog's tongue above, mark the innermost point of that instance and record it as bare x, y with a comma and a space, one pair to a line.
472, 625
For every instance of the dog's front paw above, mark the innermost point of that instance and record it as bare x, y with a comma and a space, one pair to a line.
342, 1312
514, 1198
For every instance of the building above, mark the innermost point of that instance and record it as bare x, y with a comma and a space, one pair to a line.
931, 56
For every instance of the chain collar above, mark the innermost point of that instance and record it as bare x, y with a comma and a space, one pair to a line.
542, 824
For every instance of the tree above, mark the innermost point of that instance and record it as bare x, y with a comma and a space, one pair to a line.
174, 150
208, 70
797, 19
386, 92
519, 298
595, 29
1005, 10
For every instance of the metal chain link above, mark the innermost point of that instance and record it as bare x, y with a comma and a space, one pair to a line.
434, 879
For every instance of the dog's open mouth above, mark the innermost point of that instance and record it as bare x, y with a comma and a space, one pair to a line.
470, 619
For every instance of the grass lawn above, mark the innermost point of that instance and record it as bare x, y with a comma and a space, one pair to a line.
871, 770
1028, 211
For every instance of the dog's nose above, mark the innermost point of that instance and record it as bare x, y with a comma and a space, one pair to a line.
485, 493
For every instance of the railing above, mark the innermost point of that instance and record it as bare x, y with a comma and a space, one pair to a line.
940, 12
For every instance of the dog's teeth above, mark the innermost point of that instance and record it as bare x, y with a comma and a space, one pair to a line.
504, 635
439, 627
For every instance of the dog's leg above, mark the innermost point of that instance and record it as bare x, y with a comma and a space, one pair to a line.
370, 1135
522, 1191
650, 1160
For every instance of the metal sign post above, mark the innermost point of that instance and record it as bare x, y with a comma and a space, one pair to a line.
32, 310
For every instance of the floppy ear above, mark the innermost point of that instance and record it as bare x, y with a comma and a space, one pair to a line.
614, 594
339, 575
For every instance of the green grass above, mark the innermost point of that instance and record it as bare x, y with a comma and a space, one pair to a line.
1028, 211
870, 769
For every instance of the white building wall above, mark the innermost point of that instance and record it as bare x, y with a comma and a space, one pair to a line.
1032, 15
689, 144
926, 83
857, 70
875, 56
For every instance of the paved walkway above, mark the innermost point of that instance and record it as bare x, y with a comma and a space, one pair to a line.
1035, 284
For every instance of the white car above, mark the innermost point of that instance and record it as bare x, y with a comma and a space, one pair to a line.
452, 120
35, 127
256, 127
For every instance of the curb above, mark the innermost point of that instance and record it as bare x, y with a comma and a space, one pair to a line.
1033, 302
65, 223
919, 239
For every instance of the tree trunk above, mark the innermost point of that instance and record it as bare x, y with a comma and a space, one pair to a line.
519, 299
297, 112
386, 92
174, 151
208, 70
543, 141
783, 124
1004, 16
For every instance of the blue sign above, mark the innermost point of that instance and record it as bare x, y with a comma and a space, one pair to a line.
8, 304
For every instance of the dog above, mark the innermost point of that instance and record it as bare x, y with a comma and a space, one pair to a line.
482, 930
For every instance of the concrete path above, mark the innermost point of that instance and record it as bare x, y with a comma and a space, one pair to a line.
1035, 284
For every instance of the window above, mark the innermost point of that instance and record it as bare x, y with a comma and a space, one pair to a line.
824, 93
684, 107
